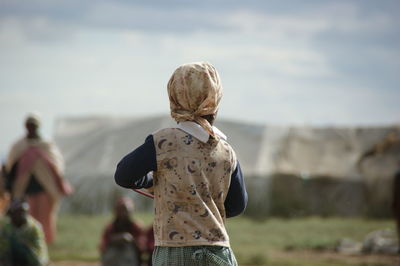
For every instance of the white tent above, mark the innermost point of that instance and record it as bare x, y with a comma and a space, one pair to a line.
93, 146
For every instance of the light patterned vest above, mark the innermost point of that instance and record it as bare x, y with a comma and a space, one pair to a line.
190, 187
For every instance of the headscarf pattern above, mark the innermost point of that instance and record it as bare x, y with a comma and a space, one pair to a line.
195, 90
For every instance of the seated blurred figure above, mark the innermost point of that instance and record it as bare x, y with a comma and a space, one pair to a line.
123, 240
22, 240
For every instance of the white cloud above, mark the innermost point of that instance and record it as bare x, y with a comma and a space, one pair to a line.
271, 66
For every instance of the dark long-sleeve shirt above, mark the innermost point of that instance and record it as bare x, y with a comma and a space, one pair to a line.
132, 172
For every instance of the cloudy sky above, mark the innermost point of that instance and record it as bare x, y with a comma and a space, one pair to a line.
281, 62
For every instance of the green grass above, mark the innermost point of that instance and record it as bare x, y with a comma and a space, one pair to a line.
253, 241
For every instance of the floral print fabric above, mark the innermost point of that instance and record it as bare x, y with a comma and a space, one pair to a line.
190, 187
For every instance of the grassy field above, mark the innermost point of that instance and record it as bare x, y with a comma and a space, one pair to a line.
281, 242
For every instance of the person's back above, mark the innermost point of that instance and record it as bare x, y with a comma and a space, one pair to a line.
197, 179
192, 182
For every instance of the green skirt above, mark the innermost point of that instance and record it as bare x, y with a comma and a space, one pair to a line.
193, 256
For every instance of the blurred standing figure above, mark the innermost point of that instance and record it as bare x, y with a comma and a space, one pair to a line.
21, 238
123, 240
34, 168
391, 141
396, 203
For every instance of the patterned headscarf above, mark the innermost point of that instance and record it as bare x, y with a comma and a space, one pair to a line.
195, 90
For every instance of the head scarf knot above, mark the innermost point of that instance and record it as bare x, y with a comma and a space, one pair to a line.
195, 90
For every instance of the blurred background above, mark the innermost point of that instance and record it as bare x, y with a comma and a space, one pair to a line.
310, 89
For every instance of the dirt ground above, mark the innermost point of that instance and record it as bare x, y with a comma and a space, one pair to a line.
333, 256
302, 256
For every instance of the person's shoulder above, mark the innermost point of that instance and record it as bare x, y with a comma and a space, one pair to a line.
164, 132
232, 154
33, 224
20, 141
226, 144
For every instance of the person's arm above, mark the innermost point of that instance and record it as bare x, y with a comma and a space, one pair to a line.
236, 200
132, 171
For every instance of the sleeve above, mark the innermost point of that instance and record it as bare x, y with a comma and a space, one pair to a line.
236, 199
132, 171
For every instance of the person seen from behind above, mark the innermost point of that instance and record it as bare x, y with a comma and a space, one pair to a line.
196, 176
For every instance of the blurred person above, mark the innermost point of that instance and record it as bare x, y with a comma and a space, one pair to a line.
149, 244
392, 140
197, 179
123, 240
396, 203
34, 168
22, 241
4, 195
